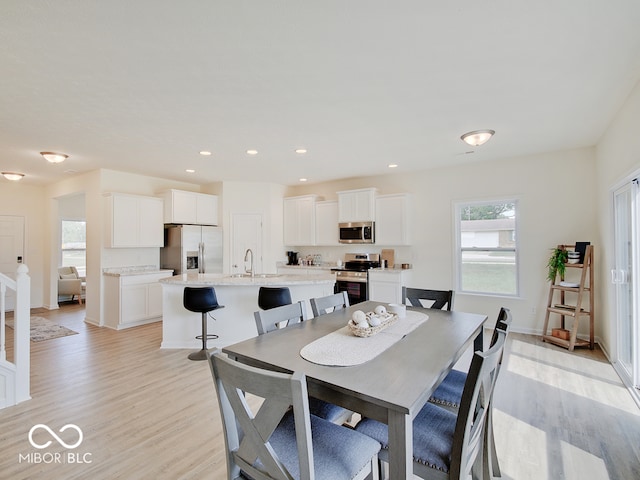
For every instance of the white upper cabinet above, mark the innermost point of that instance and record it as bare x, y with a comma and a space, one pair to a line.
133, 221
327, 223
357, 205
193, 208
393, 219
300, 220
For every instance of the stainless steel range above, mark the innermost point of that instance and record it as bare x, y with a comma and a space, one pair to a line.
352, 278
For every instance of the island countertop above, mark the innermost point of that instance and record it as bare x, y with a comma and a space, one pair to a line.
239, 296
220, 279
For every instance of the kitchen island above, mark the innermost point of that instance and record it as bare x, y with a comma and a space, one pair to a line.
239, 295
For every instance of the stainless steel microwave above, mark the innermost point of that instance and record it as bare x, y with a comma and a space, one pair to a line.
357, 232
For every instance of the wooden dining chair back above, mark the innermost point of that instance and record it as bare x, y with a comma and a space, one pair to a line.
330, 303
440, 299
273, 441
279, 317
449, 393
468, 454
446, 445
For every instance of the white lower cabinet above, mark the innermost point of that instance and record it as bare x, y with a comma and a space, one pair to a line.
132, 300
385, 285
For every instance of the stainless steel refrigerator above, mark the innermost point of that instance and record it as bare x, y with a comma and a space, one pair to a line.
192, 249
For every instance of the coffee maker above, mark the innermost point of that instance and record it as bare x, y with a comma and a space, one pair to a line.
292, 258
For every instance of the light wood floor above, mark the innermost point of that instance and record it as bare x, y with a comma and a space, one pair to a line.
151, 413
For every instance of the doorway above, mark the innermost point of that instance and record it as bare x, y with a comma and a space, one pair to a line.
11, 250
626, 207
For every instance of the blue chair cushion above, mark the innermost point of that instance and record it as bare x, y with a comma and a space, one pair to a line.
326, 410
338, 452
449, 392
433, 430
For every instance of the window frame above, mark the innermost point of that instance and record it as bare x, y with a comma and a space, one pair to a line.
458, 206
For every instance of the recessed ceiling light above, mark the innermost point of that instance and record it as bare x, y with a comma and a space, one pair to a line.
13, 176
393, 165
190, 170
205, 152
303, 179
477, 137
54, 157
252, 152
301, 150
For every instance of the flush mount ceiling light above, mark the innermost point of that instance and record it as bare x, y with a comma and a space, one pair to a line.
13, 176
206, 153
190, 170
54, 157
393, 165
477, 137
301, 150
252, 152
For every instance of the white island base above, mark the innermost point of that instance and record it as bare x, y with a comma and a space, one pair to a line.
239, 296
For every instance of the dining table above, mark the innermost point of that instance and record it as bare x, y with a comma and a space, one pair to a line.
390, 387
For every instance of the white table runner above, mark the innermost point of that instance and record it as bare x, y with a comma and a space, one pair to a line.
343, 349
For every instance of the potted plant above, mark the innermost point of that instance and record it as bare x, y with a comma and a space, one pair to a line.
556, 264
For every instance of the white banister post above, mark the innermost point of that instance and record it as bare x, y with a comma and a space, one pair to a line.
22, 327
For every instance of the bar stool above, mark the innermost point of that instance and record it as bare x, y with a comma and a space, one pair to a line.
271, 297
202, 300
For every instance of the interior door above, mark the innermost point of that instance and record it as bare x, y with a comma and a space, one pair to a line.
11, 250
246, 233
624, 278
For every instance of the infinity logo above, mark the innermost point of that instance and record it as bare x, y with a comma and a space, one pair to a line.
59, 440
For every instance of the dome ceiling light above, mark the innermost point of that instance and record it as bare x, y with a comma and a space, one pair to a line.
54, 157
13, 176
477, 137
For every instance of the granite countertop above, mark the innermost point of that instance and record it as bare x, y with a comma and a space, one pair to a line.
134, 270
272, 279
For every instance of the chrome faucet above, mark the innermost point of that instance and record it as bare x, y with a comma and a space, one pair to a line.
246, 258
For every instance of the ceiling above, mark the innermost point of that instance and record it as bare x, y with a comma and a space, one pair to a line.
143, 86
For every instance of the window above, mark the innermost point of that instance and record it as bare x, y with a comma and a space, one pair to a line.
487, 247
74, 245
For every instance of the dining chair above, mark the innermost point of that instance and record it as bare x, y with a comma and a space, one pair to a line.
442, 299
449, 393
275, 441
448, 445
330, 303
280, 317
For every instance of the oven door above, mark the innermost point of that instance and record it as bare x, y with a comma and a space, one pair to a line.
356, 290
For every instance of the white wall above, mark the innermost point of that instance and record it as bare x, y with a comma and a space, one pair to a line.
557, 205
20, 199
618, 157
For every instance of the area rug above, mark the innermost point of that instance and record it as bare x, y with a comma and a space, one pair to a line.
43, 329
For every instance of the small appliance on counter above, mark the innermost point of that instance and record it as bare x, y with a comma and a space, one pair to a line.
292, 258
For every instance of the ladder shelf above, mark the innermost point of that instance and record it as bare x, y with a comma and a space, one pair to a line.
575, 304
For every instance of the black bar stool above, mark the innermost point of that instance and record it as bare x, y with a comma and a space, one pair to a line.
203, 300
271, 297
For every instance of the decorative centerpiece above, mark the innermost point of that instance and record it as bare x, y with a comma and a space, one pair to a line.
367, 324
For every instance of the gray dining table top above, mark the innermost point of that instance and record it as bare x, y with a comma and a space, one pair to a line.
400, 379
